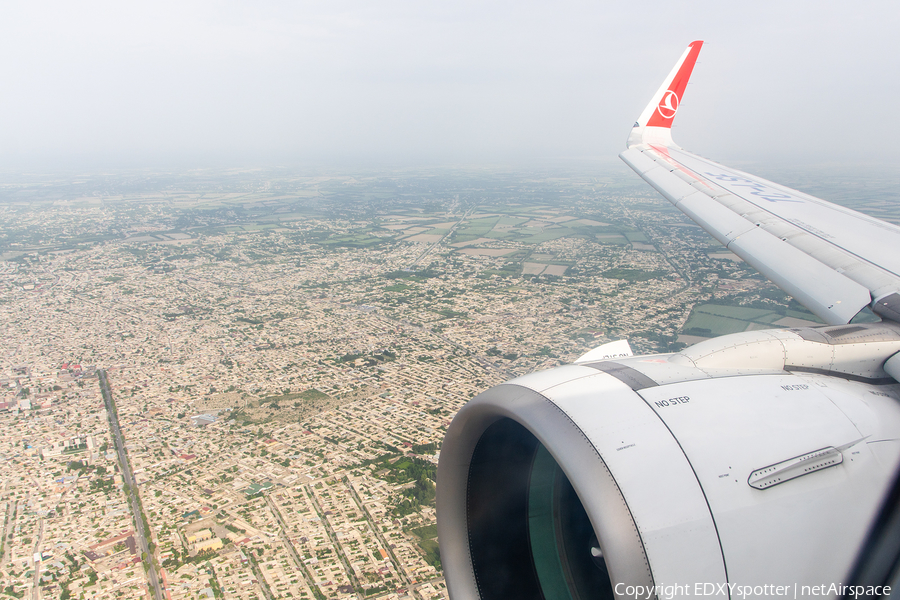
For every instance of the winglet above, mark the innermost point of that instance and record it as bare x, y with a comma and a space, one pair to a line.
655, 124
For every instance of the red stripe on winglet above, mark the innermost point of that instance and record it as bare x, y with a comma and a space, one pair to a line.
670, 101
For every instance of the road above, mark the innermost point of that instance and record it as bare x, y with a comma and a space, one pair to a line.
447, 235
11, 507
36, 590
260, 580
334, 540
286, 539
374, 527
128, 478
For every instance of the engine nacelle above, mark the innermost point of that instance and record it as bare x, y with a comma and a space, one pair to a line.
753, 459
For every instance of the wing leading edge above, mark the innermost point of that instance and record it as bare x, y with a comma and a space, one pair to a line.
833, 260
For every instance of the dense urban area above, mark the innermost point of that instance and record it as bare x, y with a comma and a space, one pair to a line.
234, 384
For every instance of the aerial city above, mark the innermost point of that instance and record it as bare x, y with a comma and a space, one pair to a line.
283, 358
256, 263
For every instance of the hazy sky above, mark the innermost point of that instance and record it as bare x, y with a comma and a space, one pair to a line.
419, 82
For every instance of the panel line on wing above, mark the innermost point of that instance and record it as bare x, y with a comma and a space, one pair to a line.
801, 222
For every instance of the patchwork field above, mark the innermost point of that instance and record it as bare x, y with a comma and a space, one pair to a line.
710, 320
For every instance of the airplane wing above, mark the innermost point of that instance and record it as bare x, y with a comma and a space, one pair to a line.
833, 260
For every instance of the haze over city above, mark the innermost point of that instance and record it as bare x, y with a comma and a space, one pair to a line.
105, 84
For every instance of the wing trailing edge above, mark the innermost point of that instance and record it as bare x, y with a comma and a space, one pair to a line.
828, 294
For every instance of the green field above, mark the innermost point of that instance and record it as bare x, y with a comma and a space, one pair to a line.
479, 227
425, 533
636, 236
633, 274
710, 320
362, 240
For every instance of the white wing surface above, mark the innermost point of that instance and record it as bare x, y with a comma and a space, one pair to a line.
833, 260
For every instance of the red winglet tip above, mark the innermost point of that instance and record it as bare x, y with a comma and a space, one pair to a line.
671, 99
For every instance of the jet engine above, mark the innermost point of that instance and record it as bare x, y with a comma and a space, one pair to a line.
754, 459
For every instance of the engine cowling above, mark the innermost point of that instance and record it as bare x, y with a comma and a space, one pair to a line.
756, 459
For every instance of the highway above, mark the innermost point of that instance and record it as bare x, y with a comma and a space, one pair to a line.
125, 468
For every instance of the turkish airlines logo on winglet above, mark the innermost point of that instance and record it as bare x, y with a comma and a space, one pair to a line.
668, 106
